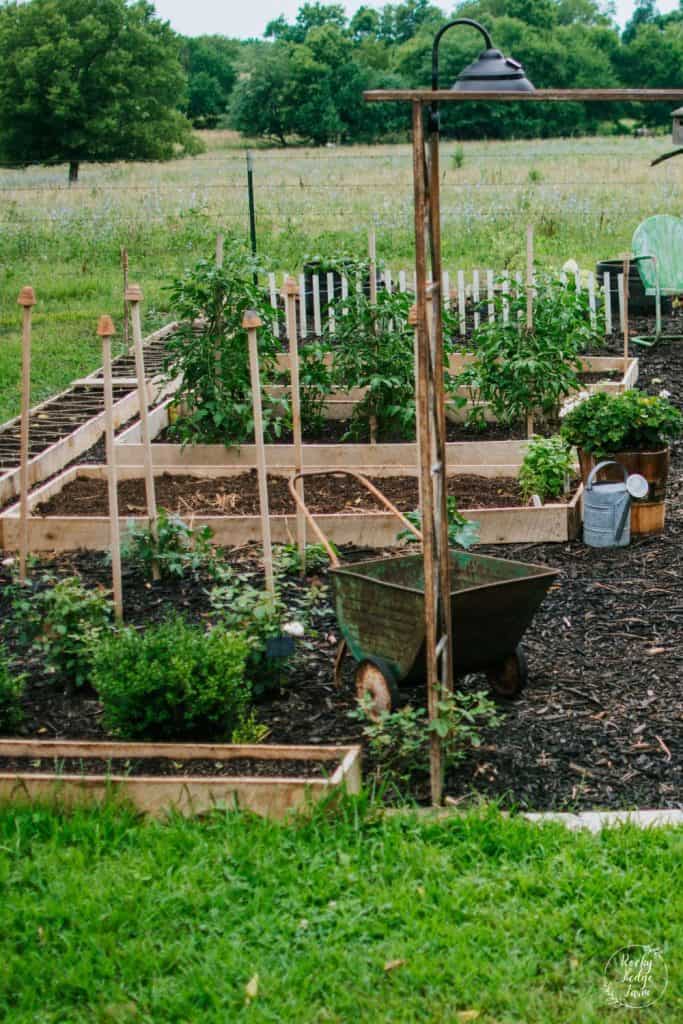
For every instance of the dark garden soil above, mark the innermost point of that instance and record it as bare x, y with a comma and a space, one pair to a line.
239, 495
600, 724
169, 767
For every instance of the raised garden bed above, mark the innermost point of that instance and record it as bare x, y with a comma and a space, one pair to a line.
66, 426
186, 778
70, 511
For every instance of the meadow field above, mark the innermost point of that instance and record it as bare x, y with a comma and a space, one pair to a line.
584, 197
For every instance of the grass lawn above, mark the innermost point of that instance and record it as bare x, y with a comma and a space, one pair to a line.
106, 918
584, 197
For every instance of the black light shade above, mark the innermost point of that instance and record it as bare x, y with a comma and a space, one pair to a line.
492, 72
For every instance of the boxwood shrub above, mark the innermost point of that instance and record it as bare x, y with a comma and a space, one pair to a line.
173, 681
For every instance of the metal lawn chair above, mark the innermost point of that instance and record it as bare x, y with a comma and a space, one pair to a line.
658, 253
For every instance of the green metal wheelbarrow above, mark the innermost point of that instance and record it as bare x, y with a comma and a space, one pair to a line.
380, 610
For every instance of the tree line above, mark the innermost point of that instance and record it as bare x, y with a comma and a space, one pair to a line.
108, 79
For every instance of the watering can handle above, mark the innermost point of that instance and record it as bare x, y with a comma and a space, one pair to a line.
368, 486
601, 465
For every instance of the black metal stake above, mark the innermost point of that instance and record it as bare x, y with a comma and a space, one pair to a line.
252, 209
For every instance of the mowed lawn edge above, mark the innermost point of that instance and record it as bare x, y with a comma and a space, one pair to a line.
351, 916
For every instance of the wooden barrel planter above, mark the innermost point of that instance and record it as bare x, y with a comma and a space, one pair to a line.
646, 516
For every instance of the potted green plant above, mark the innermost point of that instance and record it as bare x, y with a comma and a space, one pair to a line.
633, 429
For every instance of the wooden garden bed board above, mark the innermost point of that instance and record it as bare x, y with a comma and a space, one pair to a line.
368, 529
269, 796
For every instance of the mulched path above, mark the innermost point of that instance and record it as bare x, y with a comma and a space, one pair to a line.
238, 495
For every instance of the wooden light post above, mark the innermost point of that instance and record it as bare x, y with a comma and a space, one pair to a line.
290, 291
27, 300
134, 297
251, 323
105, 330
431, 399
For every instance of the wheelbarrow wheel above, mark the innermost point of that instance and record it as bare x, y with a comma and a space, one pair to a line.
375, 679
508, 678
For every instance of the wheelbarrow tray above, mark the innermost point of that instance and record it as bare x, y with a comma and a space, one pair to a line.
380, 609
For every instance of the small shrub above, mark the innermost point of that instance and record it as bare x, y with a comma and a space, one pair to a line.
177, 548
174, 681
546, 467
398, 741
457, 157
64, 622
288, 559
11, 692
258, 617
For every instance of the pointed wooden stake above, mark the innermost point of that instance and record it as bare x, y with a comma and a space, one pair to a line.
105, 329
530, 306
27, 301
625, 284
134, 297
290, 291
251, 323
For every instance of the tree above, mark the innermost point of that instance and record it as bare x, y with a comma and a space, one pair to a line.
210, 64
89, 80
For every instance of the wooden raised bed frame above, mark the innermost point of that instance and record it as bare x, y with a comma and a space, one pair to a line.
269, 796
56, 457
519, 524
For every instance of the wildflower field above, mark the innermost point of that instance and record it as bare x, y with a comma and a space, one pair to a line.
583, 196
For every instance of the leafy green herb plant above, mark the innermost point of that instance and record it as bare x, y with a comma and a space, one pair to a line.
462, 532
546, 468
173, 681
11, 692
603, 424
177, 549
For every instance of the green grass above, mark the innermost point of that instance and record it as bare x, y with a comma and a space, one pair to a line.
107, 918
584, 197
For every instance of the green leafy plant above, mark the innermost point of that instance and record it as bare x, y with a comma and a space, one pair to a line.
633, 421
64, 621
11, 692
172, 681
546, 467
209, 351
288, 559
249, 730
457, 157
398, 741
177, 549
258, 617
374, 347
315, 384
462, 532
518, 372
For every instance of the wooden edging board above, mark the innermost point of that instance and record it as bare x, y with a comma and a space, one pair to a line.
521, 524
270, 796
59, 454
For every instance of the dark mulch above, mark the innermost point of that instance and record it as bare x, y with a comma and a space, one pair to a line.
238, 495
168, 767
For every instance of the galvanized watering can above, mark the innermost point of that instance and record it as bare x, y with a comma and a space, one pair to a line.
607, 508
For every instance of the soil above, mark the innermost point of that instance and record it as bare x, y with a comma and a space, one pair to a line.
169, 767
239, 495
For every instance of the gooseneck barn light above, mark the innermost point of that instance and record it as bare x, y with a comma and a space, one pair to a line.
491, 71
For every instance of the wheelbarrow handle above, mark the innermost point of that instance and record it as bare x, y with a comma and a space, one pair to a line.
368, 486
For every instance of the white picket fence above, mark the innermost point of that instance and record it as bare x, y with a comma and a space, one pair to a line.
462, 292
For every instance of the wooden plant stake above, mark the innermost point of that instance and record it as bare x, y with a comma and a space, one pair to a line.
27, 301
290, 291
625, 285
124, 269
251, 323
134, 297
105, 329
372, 251
412, 321
220, 240
529, 306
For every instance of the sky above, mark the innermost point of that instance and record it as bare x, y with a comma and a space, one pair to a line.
245, 18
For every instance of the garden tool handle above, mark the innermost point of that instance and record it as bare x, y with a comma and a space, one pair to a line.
601, 465
368, 486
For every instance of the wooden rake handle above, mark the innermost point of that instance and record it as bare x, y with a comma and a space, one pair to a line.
368, 486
